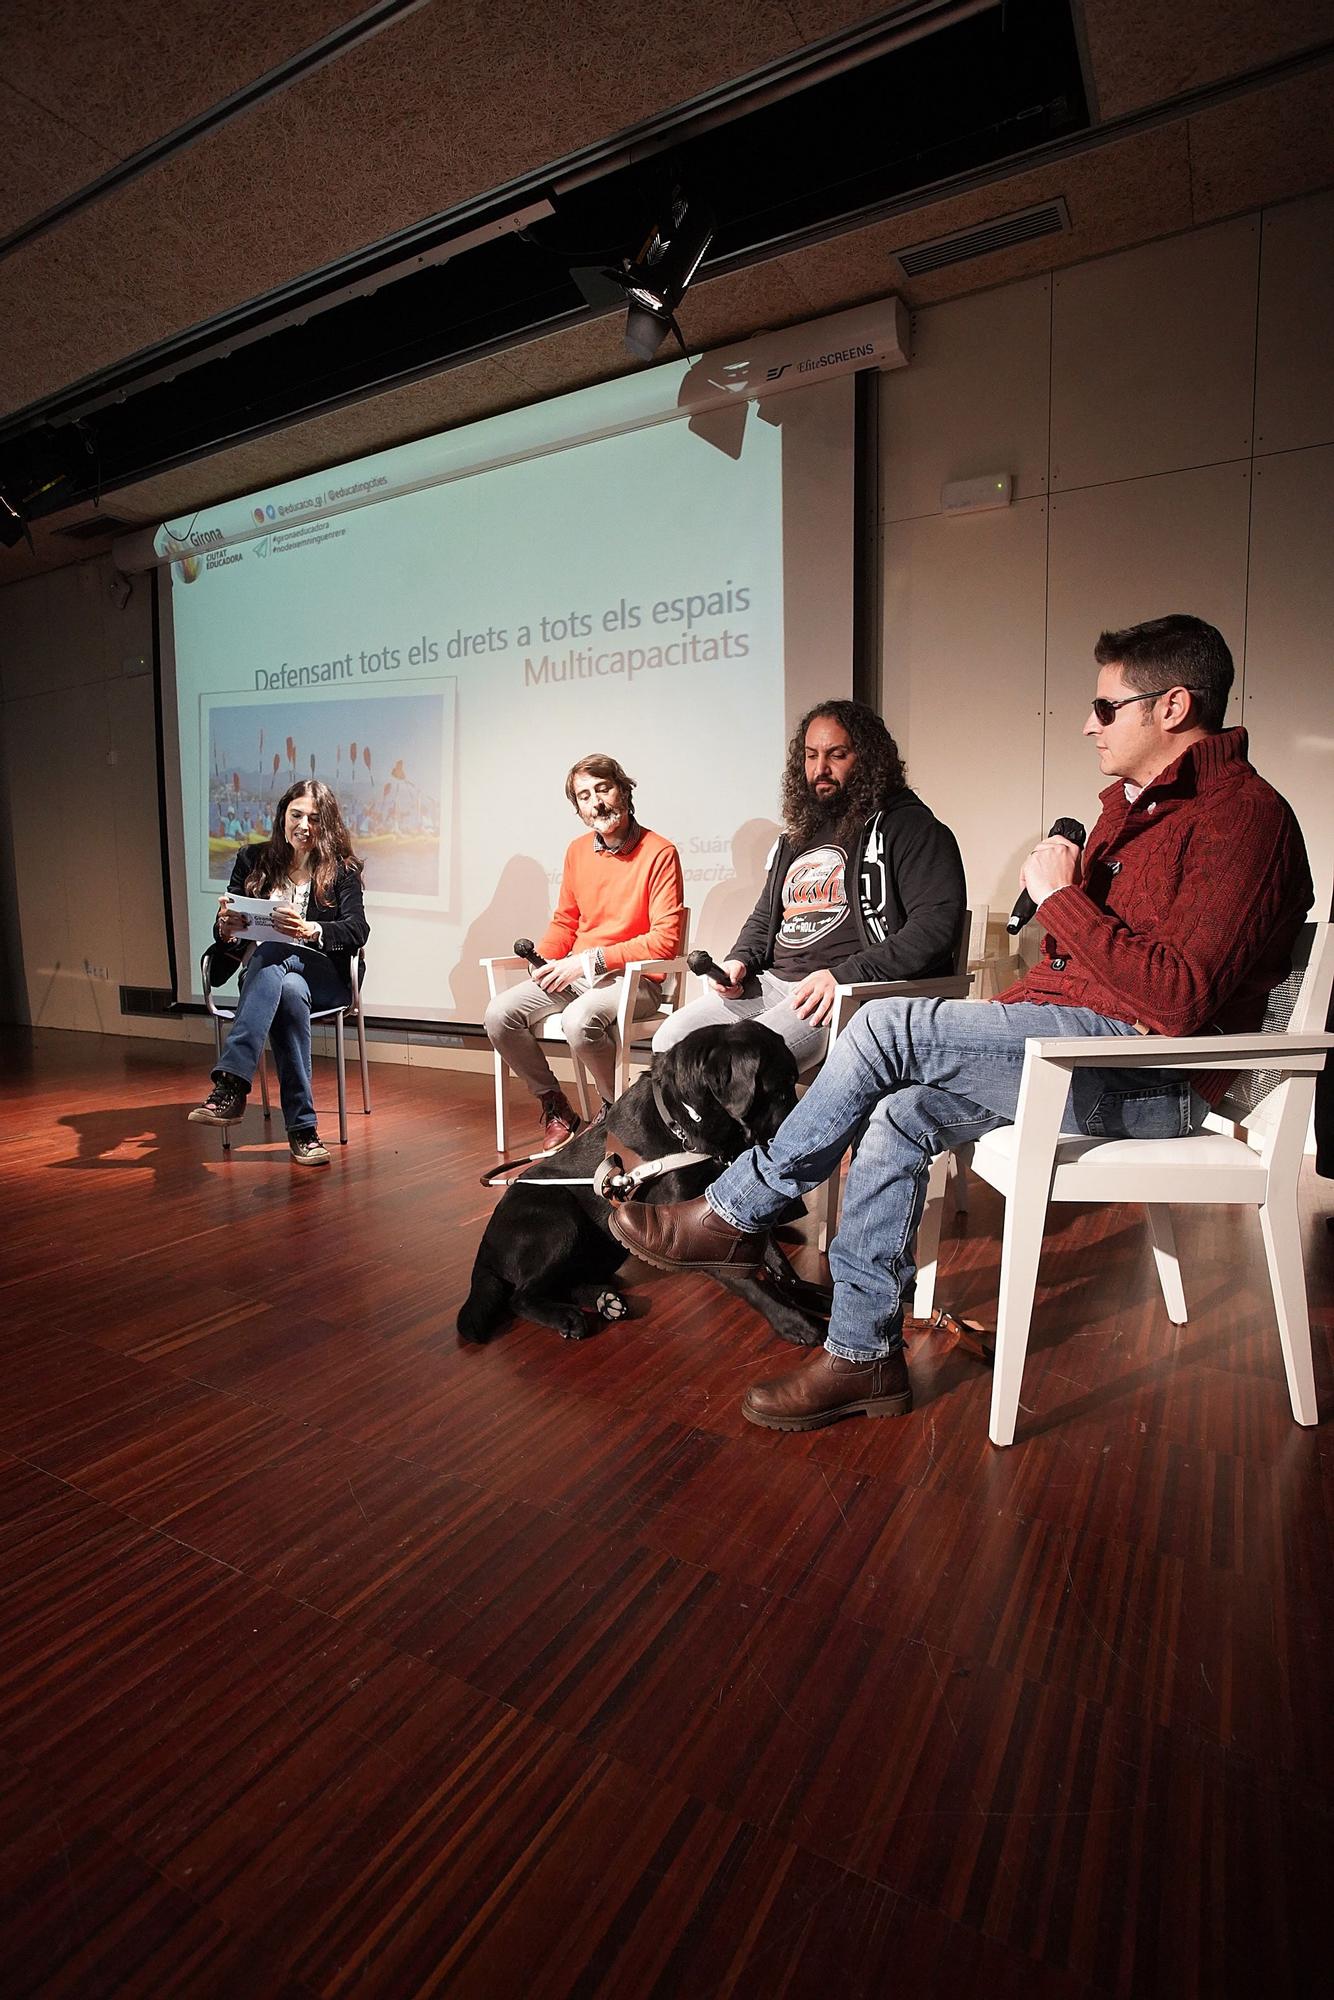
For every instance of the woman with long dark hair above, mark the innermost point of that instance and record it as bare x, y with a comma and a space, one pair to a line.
313, 879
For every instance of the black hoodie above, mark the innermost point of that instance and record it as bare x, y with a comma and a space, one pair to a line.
905, 892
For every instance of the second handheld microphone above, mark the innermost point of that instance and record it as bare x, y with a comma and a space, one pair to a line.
705, 967
1025, 908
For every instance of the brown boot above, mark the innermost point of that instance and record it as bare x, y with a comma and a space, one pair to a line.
684, 1236
826, 1388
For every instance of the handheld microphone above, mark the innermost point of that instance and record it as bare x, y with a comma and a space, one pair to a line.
525, 948
706, 967
1025, 908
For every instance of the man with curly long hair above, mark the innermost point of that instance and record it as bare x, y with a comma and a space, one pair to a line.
865, 883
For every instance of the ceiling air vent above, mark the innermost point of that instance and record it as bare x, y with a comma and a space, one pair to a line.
94, 528
1047, 218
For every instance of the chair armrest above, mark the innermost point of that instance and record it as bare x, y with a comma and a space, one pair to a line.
631, 973
848, 998
491, 966
664, 965
1303, 1054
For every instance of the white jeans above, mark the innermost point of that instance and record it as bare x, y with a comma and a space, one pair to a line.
588, 1016
767, 1000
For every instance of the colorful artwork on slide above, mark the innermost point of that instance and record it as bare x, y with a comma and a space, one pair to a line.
387, 757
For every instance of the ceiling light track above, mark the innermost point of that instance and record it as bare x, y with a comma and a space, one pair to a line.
385, 14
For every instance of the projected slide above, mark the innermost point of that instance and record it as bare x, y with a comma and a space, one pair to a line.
441, 657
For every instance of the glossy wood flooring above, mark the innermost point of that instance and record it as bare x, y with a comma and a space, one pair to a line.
336, 1659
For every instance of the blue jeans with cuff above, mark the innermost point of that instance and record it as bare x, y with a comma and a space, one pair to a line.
280, 988
908, 1079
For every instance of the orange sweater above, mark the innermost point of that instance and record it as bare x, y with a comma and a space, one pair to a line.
632, 905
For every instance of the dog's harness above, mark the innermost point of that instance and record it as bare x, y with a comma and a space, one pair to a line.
622, 1173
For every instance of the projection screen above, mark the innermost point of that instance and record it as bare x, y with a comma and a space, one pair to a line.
441, 630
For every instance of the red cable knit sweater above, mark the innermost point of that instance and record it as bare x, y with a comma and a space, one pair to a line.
1190, 901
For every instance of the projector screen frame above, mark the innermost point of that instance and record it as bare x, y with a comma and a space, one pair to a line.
861, 530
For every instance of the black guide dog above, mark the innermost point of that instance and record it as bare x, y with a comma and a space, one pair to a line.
716, 1092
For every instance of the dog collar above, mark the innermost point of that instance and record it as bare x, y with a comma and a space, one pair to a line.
688, 1139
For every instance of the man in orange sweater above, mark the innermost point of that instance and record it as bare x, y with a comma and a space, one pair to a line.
621, 898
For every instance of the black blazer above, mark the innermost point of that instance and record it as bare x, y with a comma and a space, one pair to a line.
343, 921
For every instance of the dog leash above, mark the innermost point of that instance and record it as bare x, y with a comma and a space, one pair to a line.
614, 1181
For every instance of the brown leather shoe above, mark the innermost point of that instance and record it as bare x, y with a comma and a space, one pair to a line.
826, 1388
684, 1236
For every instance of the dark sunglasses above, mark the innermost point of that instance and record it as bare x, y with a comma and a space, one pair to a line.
1105, 711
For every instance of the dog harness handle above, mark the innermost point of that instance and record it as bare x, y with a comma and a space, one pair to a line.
614, 1181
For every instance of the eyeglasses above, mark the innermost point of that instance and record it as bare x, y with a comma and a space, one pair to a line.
1105, 711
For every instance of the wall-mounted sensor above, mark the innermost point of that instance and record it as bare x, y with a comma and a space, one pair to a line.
975, 496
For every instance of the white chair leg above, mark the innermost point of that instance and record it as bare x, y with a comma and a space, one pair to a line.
501, 1134
1042, 1095
340, 1057
1163, 1235
960, 1161
1021, 1248
928, 1235
580, 1086
365, 1067
1283, 1249
217, 1043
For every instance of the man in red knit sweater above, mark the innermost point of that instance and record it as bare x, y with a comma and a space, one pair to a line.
621, 898
1177, 919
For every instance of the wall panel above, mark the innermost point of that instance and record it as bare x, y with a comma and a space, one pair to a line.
973, 401
1153, 357
1294, 373
1289, 701
964, 615
1121, 553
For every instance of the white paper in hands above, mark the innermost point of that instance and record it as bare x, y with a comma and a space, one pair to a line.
258, 927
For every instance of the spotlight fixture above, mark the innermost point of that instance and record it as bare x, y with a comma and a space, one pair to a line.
13, 523
655, 280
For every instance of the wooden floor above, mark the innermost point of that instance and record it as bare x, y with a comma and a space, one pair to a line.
338, 1659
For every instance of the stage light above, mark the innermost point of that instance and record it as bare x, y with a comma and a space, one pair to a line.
656, 279
645, 332
13, 522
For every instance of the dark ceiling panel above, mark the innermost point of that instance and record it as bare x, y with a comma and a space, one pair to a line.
1145, 51
123, 73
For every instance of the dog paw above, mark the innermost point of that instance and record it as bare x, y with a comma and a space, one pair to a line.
611, 1306
575, 1326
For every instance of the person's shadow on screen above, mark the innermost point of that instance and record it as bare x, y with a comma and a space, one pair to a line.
520, 907
718, 922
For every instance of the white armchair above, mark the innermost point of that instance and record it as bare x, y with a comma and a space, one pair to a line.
633, 1037
1031, 1163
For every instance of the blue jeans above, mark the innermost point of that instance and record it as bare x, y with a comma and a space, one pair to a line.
908, 1079
279, 988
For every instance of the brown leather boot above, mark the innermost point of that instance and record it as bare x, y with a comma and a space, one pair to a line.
684, 1236
826, 1388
